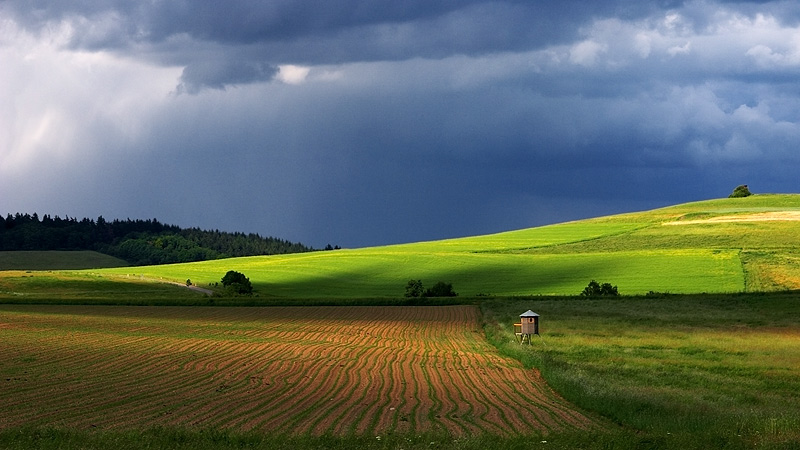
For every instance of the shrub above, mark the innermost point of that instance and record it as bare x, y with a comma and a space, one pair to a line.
414, 289
741, 191
654, 294
237, 283
595, 289
441, 289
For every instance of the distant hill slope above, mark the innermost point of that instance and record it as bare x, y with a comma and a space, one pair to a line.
57, 260
724, 245
139, 242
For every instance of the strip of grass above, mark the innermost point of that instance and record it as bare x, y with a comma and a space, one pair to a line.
715, 367
733, 235
772, 270
193, 439
85, 287
57, 260
52, 438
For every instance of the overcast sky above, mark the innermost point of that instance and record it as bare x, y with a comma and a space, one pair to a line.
367, 122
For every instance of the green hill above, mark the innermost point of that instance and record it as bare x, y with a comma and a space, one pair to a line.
719, 246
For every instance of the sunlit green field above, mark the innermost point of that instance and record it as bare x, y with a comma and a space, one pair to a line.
679, 249
384, 272
638, 252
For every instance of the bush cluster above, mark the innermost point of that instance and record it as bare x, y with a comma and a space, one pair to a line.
414, 289
595, 289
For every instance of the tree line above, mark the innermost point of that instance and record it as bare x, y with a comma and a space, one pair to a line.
139, 242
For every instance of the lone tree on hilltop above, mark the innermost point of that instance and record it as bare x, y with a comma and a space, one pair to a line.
595, 289
237, 283
741, 191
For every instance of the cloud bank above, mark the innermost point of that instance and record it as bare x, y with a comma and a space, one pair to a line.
361, 123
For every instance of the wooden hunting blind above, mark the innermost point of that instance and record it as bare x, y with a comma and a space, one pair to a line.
528, 326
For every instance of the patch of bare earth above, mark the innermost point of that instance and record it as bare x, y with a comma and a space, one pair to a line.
340, 370
773, 216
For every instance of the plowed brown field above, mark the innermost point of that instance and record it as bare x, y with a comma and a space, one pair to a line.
296, 369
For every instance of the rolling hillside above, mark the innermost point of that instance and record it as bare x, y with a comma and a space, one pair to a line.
723, 245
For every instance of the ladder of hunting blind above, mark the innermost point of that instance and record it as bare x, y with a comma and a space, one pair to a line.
521, 337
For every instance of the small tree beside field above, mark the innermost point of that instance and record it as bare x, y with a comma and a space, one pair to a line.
237, 283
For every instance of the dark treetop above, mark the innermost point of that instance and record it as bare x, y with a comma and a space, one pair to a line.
138, 242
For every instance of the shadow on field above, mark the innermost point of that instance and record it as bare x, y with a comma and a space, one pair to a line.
495, 279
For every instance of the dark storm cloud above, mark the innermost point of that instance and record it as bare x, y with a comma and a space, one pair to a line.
203, 34
369, 122
251, 35
354, 164
329, 32
219, 74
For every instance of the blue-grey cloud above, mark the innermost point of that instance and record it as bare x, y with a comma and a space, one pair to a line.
363, 123
220, 74
288, 31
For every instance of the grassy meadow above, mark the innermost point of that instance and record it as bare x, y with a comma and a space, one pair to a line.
679, 249
716, 370
75, 287
665, 250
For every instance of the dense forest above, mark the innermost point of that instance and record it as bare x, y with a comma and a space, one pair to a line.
139, 242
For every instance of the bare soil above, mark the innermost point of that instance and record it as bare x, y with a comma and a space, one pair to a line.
339, 370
